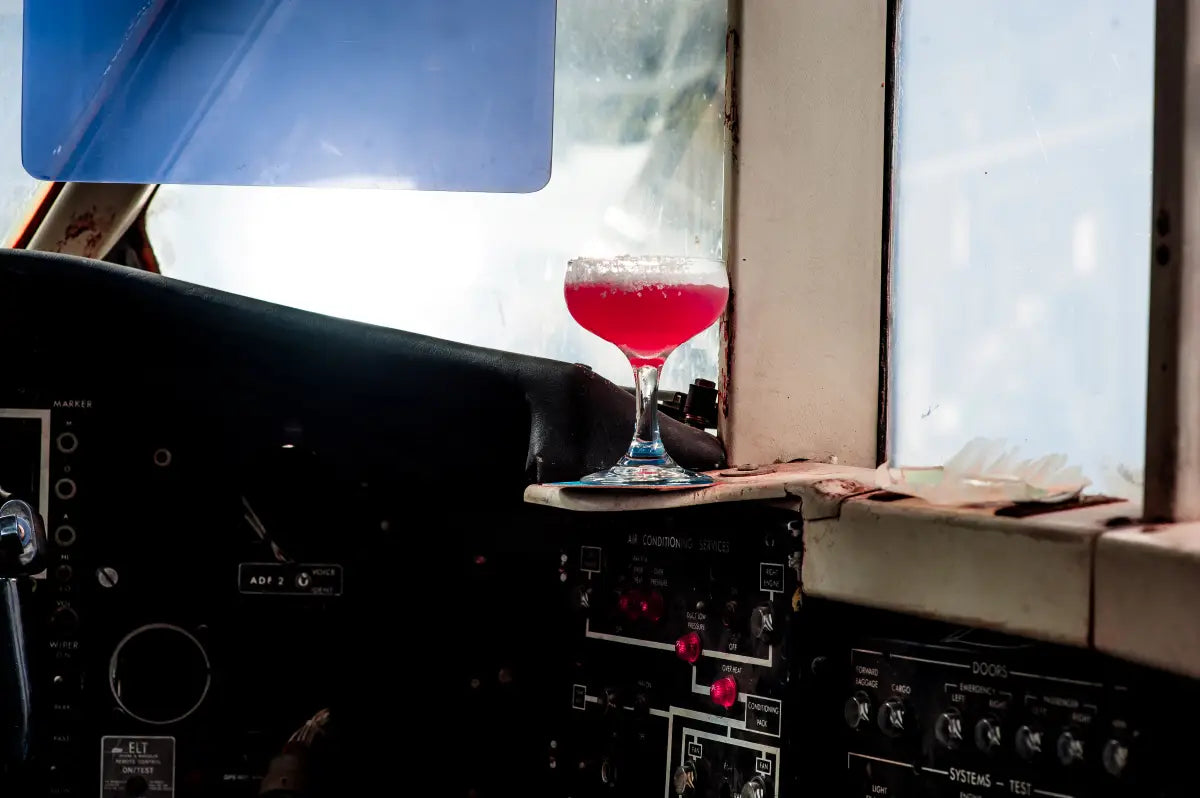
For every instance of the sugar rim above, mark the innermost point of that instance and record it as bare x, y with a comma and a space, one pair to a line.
645, 270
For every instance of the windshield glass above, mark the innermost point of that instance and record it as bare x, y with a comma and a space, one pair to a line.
638, 168
1022, 218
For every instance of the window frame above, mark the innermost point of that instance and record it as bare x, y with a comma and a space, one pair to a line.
1172, 460
799, 395
803, 379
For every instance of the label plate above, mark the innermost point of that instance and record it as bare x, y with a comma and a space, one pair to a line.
130, 764
290, 579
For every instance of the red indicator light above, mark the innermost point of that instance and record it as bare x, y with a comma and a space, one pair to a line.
688, 647
652, 607
630, 604
724, 691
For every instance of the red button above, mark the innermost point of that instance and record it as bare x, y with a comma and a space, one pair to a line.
688, 647
724, 691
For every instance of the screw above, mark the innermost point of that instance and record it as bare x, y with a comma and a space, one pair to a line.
107, 577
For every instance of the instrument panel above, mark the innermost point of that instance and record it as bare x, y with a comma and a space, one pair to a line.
679, 632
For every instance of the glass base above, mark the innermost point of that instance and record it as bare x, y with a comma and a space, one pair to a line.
631, 474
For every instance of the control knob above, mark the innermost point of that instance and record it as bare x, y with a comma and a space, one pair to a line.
1069, 748
1114, 757
683, 781
988, 735
948, 729
1028, 742
857, 709
611, 700
756, 787
608, 772
893, 718
22, 539
762, 623
64, 621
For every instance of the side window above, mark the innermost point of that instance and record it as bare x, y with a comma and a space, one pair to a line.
1022, 222
17, 189
638, 168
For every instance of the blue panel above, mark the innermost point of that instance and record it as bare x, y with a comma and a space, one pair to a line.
431, 94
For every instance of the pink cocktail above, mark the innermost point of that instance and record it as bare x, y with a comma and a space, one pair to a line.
646, 306
646, 323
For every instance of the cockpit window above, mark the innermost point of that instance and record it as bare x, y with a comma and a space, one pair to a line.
1022, 222
17, 189
638, 168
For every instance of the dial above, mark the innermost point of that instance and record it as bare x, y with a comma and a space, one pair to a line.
988, 735
1028, 742
949, 729
1115, 757
857, 709
159, 673
762, 623
1069, 748
683, 781
893, 718
756, 788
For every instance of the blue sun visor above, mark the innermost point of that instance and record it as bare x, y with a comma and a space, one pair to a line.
449, 95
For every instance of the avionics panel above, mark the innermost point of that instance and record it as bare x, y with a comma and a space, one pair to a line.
679, 679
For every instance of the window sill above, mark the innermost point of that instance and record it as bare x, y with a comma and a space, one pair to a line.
1148, 595
1030, 576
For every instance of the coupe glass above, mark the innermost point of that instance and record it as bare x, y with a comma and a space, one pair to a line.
646, 306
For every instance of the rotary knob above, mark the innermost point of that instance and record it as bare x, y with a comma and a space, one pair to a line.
756, 787
1069, 748
608, 772
64, 621
988, 735
857, 710
138, 668
1115, 757
683, 781
948, 729
893, 718
1028, 742
762, 623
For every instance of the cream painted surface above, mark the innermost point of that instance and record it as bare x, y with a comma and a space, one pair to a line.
1025, 576
1148, 596
806, 233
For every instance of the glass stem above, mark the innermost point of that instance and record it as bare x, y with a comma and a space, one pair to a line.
646, 445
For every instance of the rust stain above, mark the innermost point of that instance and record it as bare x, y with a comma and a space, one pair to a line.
80, 224
89, 226
727, 328
839, 488
732, 52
